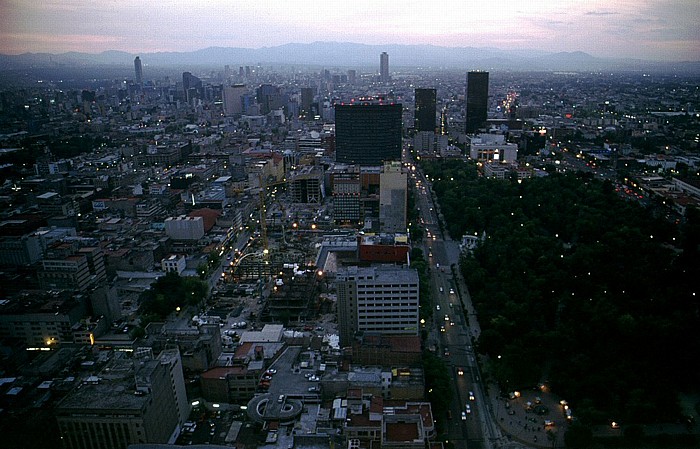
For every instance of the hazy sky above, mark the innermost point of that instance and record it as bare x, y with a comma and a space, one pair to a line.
649, 29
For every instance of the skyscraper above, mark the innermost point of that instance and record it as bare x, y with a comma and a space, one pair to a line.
192, 86
307, 100
367, 132
232, 99
477, 100
269, 97
384, 67
425, 108
139, 70
393, 197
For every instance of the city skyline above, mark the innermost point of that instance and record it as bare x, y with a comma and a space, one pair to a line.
651, 29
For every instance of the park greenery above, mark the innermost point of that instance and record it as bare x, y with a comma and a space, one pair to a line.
170, 292
578, 289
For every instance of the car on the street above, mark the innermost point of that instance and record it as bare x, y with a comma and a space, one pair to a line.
468, 408
437, 307
460, 371
464, 416
471, 396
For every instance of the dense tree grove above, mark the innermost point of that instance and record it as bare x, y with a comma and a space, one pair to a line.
169, 292
579, 288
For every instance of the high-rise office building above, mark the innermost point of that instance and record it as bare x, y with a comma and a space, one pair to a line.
393, 197
477, 100
384, 67
425, 109
232, 99
381, 299
347, 189
307, 100
269, 98
192, 86
138, 69
367, 132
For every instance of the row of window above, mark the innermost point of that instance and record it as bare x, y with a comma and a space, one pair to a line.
98, 435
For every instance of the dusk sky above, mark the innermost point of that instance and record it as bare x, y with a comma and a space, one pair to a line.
647, 29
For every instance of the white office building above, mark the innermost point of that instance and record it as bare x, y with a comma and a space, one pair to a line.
184, 228
490, 148
382, 299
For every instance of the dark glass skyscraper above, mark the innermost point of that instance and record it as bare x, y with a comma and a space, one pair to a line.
192, 86
138, 69
367, 132
384, 67
425, 108
307, 99
477, 100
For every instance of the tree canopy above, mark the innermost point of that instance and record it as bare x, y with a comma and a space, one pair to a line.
577, 287
169, 292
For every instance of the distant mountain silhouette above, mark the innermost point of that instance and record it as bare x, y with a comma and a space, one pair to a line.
345, 54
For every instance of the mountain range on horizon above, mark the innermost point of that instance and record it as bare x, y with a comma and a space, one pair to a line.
346, 54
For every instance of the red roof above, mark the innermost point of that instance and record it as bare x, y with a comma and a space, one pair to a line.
222, 372
208, 215
402, 431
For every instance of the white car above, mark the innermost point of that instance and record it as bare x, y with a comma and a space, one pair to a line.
468, 408
464, 416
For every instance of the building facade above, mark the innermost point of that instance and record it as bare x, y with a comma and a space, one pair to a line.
346, 197
425, 110
138, 70
477, 101
380, 299
232, 99
368, 132
130, 401
384, 67
492, 148
184, 228
393, 198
